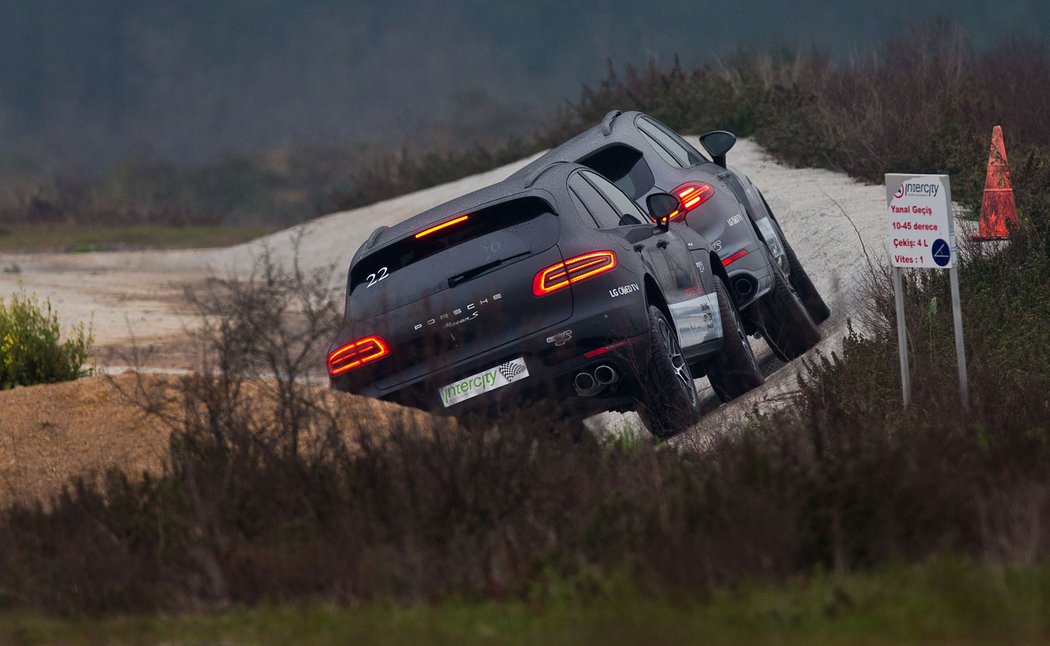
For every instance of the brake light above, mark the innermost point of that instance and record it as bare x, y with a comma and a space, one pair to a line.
357, 354
443, 225
572, 271
692, 195
734, 257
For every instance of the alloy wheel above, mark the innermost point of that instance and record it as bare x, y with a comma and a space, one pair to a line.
674, 353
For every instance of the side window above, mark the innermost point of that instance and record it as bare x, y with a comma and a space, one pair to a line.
695, 156
661, 151
674, 147
625, 207
581, 208
598, 207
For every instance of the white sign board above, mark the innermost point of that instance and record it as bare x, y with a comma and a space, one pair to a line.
920, 211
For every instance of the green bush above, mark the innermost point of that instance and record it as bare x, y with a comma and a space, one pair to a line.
31, 350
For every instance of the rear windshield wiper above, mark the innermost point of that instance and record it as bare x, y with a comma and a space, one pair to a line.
459, 279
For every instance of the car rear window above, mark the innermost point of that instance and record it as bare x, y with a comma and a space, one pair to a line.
517, 217
625, 167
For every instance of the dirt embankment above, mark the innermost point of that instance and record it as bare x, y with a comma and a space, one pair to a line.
52, 433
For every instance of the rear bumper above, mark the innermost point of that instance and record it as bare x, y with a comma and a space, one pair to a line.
753, 271
553, 357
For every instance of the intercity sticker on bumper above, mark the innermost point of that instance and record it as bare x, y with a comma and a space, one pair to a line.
483, 382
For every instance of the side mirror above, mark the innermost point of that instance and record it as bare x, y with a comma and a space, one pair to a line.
717, 143
662, 207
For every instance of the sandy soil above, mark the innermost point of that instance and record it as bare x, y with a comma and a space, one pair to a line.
52, 433
834, 223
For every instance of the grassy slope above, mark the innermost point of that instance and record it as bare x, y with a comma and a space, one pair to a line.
946, 600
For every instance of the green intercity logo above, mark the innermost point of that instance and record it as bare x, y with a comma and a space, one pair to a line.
482, 380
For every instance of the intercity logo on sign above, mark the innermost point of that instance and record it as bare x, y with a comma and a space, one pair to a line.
917, 188
920, 213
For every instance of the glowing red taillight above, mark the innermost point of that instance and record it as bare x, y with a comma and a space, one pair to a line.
357, 354
692, 195
572, 271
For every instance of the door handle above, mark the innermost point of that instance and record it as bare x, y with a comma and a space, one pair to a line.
662, 244
639, 247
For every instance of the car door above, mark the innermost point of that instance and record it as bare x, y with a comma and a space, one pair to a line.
666, 254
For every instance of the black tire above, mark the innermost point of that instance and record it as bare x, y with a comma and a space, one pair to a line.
734, 370
783, 320
669, 400
804, 287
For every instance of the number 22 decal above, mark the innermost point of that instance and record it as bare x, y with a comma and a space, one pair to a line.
376, 277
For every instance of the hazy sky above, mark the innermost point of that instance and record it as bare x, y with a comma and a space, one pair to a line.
95, 80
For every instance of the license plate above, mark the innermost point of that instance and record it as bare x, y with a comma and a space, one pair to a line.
483, 382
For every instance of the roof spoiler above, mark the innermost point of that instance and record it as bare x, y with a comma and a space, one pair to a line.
372, 239
607, 121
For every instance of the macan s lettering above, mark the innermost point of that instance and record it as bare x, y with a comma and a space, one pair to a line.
456, 312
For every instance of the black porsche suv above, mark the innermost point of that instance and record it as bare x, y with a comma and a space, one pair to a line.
768, 284
550, 285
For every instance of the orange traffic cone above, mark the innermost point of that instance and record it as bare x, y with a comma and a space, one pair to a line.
998, 211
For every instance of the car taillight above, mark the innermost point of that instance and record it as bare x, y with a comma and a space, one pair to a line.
572, 271
357, 354
692, 195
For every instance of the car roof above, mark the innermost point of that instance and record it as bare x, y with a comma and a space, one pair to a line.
545, 180
614, 123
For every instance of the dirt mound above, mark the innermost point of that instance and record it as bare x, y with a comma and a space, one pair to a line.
52, 433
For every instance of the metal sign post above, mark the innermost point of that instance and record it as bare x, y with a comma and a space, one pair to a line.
960, 350
902, 336
922, 236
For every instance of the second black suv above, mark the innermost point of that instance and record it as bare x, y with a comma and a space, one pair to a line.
551, 285
768, 283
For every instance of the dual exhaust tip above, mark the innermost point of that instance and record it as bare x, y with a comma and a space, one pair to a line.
588, 383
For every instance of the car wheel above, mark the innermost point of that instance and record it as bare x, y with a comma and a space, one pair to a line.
670, 403
734, 370
800, 280
807, 292
783, 320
